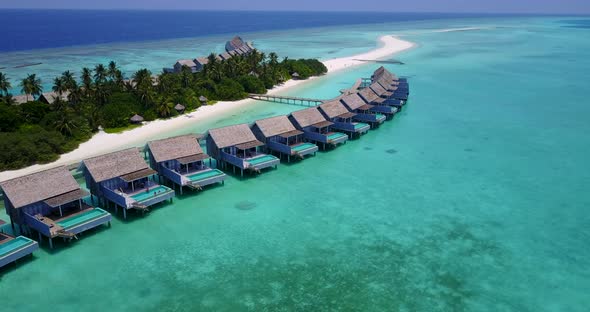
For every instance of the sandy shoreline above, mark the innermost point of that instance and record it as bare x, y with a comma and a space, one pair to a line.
102, 142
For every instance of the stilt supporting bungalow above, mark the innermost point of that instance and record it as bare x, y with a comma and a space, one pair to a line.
280, 136
125, 180
182, 161
343, 119
316, 128
51, 203
237, 146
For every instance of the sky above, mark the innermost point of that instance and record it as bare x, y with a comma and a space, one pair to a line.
457, 6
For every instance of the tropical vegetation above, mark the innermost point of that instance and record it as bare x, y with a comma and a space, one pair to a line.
38, 132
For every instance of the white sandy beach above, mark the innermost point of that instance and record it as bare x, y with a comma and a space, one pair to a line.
103, 142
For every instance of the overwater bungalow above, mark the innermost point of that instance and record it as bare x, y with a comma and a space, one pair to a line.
188, 63
364, 112
14, 248
237, 146
381, 105
280, 136
124, 179
51, 203
316, 128
343, 119
182, 161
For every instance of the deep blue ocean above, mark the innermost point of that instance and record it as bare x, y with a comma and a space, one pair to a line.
39, 29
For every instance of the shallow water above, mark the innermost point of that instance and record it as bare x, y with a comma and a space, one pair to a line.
474, 198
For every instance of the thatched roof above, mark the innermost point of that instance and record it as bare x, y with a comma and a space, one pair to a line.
275, 126
23, 98
232, 135
201, 61
115, 164
189, 63
179, 107
50, 97
175, 148
369, 95
308, 117
39, 186
333, 108
202, 98
225, 56
353, 101
295, 75
136, 118
377, 88
234, 44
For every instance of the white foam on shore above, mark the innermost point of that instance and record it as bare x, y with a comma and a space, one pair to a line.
102, 142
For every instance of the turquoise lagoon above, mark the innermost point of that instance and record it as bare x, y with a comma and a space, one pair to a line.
474, 198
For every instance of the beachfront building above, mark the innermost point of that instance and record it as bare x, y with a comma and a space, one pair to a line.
342, 118
316, 128
182, 161
124, 179
237, 146
280, 136
200, 63
14, 248
364, 112
51, 97
188, 63
51, 203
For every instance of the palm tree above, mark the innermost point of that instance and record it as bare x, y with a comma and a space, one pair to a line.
100, 74
59, 86
65, 124
31, 85
186, 76
165, 107
69, 80
75, 98
102, 94
213, 70
4, 84
112, 70
142, 78
87, 79
119, 80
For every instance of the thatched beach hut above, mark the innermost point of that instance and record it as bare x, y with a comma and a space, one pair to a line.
136, 119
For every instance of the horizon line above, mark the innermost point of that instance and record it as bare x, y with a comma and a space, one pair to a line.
299, 11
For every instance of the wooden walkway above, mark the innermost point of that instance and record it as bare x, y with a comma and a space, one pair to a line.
291, 100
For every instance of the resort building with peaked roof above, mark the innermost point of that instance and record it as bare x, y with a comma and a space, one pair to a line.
237, 146
364, 112
280, 136
182, 161
52, 204
343, 119
316, 128
123, 178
